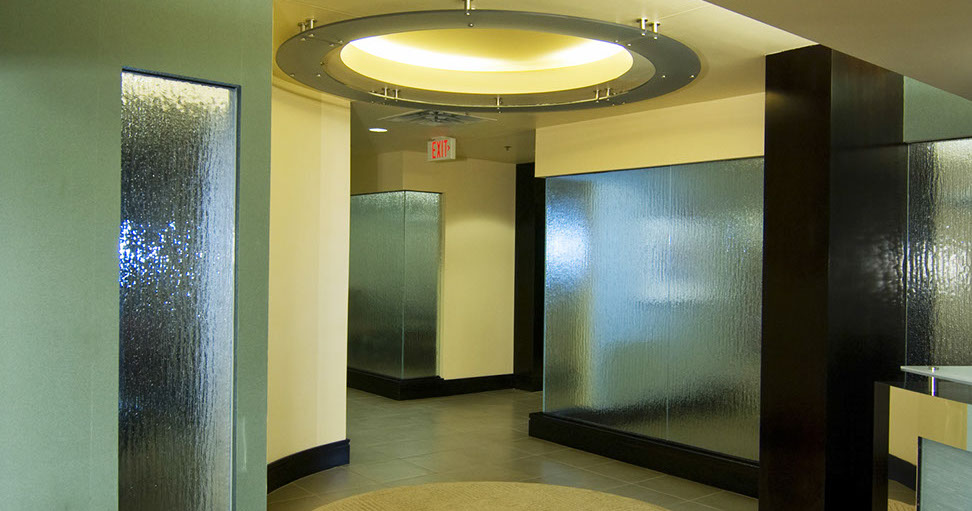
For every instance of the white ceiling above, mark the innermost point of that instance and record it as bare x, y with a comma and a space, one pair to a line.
731, 47
928, 40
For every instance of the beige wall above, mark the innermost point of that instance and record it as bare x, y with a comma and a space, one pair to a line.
708, 131
476, 288
309, 218
914, 415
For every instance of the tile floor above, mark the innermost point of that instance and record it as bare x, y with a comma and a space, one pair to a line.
478, 437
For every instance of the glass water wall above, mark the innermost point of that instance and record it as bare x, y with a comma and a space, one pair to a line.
394, 282
653, 302
940, 253
177, 294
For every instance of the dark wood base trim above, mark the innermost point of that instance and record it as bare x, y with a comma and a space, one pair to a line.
420, 388
392, 388
304, 463
530, 382
903, 472
726, 472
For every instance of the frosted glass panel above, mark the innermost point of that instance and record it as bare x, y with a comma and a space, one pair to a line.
177, 289
716, 297
940, 253
944, 474
377, 283
421, 283
392, 310
653, 298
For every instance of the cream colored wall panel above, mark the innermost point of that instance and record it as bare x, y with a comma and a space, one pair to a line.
309, 212
478, 213
707, 131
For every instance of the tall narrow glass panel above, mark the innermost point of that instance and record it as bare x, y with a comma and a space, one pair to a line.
377, 283
653, 299
422, 254
716, 291
394, 278
940, 253
177, 294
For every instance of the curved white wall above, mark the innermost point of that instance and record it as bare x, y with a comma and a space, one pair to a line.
309, 215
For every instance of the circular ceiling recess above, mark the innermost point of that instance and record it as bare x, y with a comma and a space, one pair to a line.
482, 60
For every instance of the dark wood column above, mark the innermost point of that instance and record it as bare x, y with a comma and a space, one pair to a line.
528, 279
833, 273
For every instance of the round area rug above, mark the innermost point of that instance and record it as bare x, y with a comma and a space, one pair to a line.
489, 496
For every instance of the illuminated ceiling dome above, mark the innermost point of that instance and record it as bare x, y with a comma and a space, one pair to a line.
487, 60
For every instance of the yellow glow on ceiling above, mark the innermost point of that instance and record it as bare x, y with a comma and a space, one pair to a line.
487, 61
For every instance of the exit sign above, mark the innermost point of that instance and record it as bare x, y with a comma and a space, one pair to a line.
442, 148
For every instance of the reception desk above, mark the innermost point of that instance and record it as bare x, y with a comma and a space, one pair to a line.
922, 440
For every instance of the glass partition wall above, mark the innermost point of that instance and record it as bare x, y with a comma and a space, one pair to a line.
394, 276
939, 266
653, 301
177, 294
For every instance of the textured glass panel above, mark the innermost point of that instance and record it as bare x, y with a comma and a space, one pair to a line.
421, 283
944, 475
176, 280
394, 280
600, 316
716, 290
377, 282
940, 253
653, 298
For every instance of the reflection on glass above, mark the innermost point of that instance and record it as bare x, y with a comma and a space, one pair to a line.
394, 276
177, 287
940, 253
653, 300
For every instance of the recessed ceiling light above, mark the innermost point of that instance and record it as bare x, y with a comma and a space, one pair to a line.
509, 61
377, 130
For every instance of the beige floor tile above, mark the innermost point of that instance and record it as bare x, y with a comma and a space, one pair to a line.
728, 501
683, 488
388, 471
536, 466
689, 506
443, 461
338, 495
624, 471
577, 458
535, 446
580, 479
643, 494
288, 492
335, 479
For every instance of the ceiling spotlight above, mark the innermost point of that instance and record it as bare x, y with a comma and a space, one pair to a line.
378, 130
534, 61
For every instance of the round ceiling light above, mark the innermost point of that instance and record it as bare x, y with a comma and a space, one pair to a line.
487, 60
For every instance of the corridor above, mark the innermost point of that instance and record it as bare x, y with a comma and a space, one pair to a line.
478, 437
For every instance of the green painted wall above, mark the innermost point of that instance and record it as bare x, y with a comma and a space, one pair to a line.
933, 114
60, 65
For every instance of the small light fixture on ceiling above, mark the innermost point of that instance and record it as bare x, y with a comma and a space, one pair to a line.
509, 61
378, 130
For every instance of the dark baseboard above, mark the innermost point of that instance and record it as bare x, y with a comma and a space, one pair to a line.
393, 388
420, 388
477, 384
902, 471
530, 382
726, 472
304, 463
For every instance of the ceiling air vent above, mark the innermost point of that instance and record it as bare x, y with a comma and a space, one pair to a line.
435, 118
